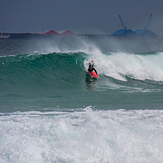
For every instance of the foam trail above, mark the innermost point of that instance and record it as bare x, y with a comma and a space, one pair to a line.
87, 136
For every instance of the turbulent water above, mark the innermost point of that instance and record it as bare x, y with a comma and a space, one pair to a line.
52, 111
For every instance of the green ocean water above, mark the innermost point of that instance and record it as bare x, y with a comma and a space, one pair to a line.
52, 111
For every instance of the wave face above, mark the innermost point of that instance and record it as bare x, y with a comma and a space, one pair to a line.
42, 68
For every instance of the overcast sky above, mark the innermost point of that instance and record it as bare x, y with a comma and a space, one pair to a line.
86, 16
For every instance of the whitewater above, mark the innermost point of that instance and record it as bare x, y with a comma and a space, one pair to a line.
52, 111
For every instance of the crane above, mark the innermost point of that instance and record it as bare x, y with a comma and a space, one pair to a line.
121, 23
146, 27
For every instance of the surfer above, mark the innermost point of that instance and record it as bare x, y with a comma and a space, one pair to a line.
90, 69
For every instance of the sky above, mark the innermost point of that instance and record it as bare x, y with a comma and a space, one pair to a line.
80, 16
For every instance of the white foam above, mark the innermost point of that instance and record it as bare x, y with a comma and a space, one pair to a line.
120, 65
87, 136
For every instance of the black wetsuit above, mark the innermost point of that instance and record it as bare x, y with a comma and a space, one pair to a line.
93, 69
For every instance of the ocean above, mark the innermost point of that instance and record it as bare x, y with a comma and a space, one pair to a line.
52, 111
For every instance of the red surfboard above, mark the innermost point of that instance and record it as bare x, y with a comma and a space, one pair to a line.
94, 74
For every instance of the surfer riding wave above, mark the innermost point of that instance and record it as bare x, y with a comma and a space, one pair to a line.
91, 69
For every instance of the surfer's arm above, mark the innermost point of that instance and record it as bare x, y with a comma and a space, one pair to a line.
95, 70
